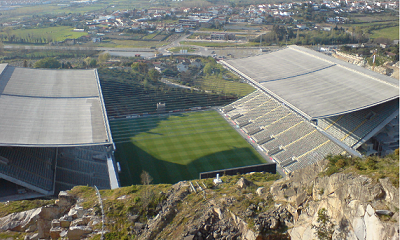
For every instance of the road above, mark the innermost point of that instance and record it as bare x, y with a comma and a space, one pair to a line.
144, 52
236, 32
203, 51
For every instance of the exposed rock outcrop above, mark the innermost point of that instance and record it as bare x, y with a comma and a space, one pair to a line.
359, 207
167, 212
63, 219
38, 219
351, 202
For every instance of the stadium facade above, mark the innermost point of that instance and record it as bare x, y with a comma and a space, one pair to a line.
54, 132
308, 105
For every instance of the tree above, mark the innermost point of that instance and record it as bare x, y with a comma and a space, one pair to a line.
87, 61
104, 57
47, 63
93, 63
90, 62
325, 228
208, 68
140, 67
68, 65
170, 73
145, 177
154, 75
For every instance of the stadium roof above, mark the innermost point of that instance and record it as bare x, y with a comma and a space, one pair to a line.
314, 84
42, 107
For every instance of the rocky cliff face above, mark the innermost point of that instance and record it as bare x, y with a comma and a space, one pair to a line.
354, 203
388, 68
243, 207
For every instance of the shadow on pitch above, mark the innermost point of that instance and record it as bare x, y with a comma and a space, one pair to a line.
134, 160
124, 129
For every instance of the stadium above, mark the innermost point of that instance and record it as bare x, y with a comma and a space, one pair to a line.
56, 133
308, 105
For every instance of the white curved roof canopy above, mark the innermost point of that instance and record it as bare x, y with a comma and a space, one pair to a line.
42, 107
315, 84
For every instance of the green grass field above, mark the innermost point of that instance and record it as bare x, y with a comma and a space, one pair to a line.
392, 33
178, 147
178, 49
59, 33
219, 44
115, 43
223, 86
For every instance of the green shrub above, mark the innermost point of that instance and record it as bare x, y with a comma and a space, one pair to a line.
47, 63
371, 163
324, 228
340, 163
331, 170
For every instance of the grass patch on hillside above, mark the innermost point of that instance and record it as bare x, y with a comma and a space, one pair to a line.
59, 33
219, 30
392, 33
219, 44
114, 43
224, 86
143, 201
54, 9
178, 49
20, 206
373, 166
179, 147
150, 36
18, 13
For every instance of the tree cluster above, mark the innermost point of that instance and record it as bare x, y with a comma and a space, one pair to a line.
145, 73
47, 63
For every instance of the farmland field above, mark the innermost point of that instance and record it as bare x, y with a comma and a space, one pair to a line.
392, 33
59, 33
178, 147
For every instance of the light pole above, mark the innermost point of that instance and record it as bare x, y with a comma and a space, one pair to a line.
102, 212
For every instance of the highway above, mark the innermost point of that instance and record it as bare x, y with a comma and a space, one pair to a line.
147, 52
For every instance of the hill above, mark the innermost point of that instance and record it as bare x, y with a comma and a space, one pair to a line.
315, 202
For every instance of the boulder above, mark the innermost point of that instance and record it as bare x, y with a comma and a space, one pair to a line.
77, 232
274, 223
189, 237
391, 193
300, 198
64, 233
122, 197
244, 183
94, 221
373, 226
55, 232
46, 216
133, 218
34, 236
76, 212
65, 221
65, 199
260, 191
80, 222
31, 228
19, 221
55, 223
139, 226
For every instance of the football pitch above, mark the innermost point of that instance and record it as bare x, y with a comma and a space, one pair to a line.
178, 147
